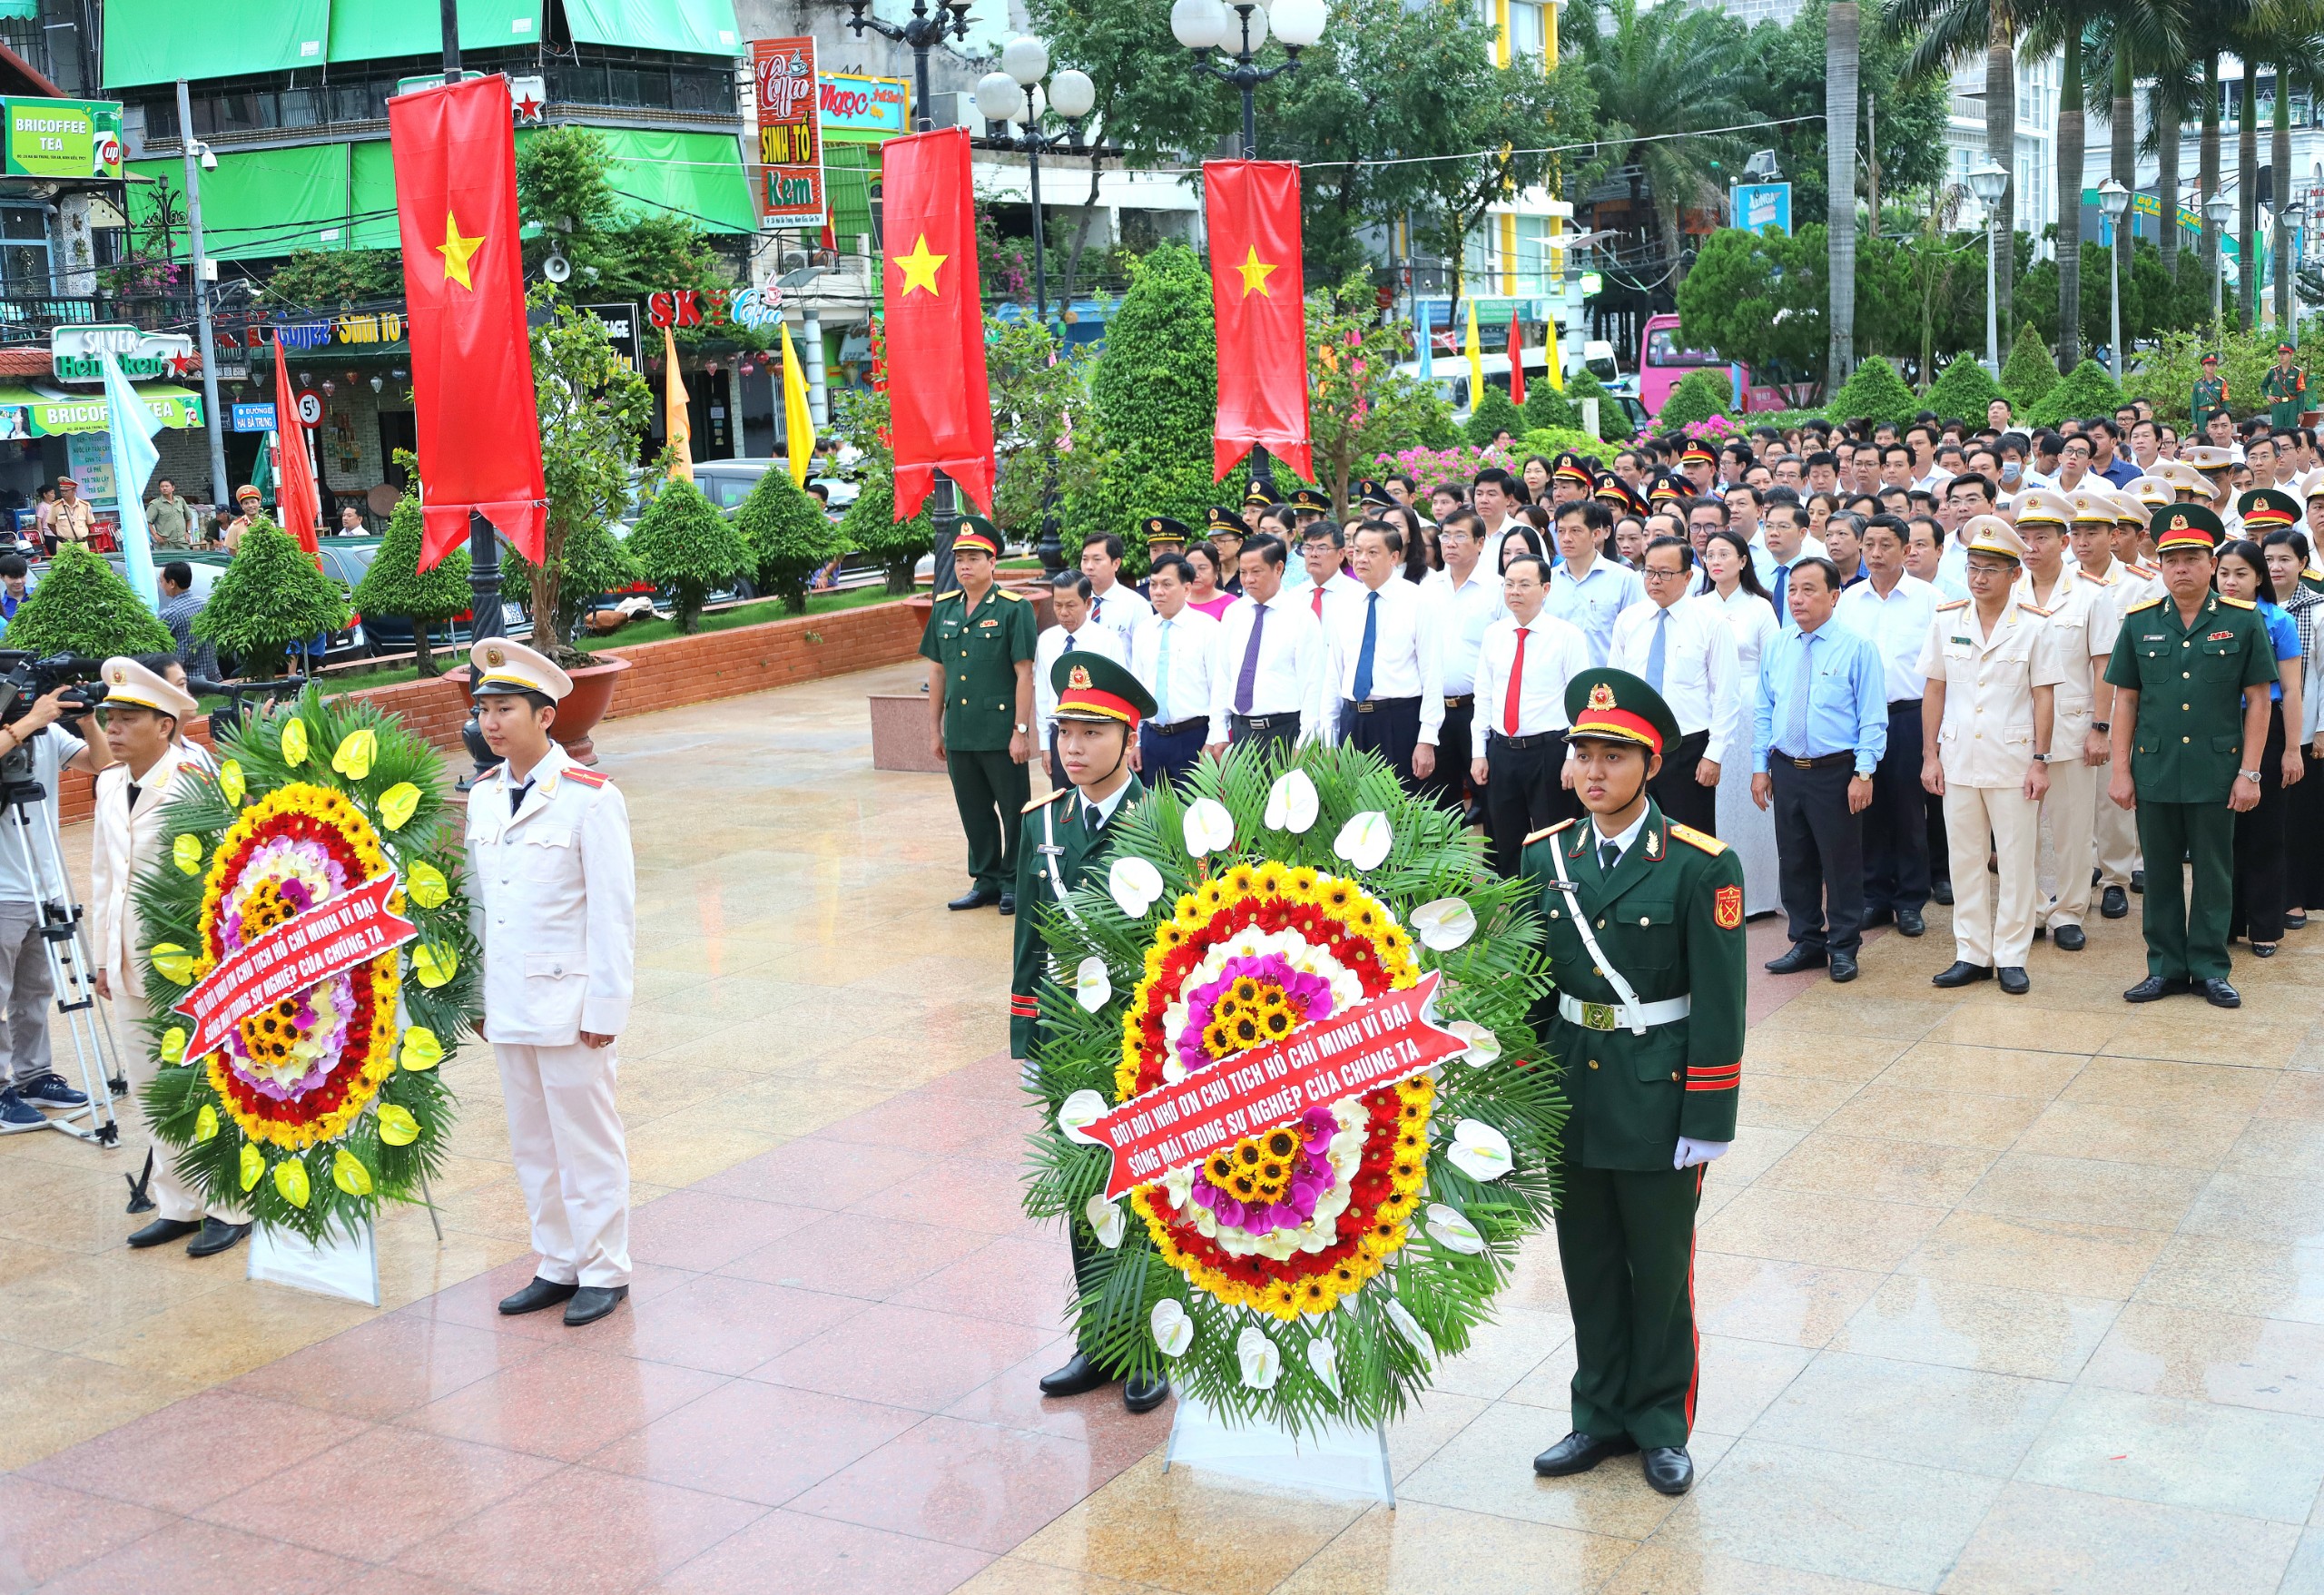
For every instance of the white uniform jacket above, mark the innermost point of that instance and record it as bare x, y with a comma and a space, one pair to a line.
553, 891
125, 845
1987, 739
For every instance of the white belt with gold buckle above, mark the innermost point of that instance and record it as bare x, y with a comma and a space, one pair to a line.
1617, 1015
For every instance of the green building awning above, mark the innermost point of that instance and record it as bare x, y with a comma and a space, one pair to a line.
694, 28
162, 41
174, 407
378, 30
698, 175
850, 169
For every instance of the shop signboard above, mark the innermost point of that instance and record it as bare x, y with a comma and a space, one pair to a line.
850, 103
53, 417
1758, 206
89, 457
620, 322
790, 168
62, 138
75, 350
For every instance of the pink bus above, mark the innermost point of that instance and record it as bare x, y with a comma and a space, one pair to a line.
1663, 360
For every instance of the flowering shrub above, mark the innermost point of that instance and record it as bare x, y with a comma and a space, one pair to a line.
1431, 468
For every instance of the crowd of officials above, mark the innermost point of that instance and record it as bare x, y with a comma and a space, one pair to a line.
1997, 668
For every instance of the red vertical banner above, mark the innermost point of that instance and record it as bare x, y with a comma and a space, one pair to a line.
1516, 358
791, 150
1259, 292
464, 279
940, 411
296, 498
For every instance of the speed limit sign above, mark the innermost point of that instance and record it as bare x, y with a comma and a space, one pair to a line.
310, 410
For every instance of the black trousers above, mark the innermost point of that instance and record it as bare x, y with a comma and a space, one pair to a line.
1682, 797
1819, 853
1278, 734
1449, 786
1897, 826
1170, 754
2260, 839
1523, 793
2304, 839
1389, 727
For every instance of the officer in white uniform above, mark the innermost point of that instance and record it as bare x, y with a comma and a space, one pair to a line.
554, 897
142, 715
2083, 624
1986, 717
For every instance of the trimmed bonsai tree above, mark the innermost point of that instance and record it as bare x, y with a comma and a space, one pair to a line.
1546, 407
2029, 373
1492, 416
1698, 396
395, 585
2085, 391
1964, 391
1874, 390
81, 606
683, 544
870, 525
789, 538
272, 598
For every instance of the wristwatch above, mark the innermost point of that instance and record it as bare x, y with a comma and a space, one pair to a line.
2250, 775
1019, 729
2100, 725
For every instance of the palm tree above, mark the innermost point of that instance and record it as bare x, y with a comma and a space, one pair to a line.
1946, 34
2130, 40
2059, 25
1841, 93
2296, 50
2172, 98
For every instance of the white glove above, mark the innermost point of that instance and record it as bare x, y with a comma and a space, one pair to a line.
1690, 1153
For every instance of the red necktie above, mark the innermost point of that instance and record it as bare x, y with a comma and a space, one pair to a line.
1319, 600
1516, 687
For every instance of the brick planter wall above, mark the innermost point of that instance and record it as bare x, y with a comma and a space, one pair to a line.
661, 675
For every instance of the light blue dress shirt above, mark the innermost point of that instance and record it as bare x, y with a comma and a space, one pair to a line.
1847, 700
1592, 604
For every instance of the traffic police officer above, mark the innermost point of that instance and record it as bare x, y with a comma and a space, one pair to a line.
979, 646
1099, 706
2284, 387
553, 902
2211, 393
1646, 950
2185, 754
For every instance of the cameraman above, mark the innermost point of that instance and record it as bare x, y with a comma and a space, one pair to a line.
32, 1084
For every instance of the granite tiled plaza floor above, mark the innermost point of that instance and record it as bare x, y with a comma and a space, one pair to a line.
1996, 1294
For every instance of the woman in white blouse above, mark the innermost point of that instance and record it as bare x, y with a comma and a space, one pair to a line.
1743, 825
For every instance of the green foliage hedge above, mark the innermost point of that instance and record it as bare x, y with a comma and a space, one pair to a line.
2029, 373
789, 538
2086, 390
1966, 389
273, 596
81, 606
1874, 390
683, 544
1494, 415
395, 585
1698, 396
870, 525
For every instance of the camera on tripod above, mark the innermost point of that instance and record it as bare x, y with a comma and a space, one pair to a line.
230, 716
27, 680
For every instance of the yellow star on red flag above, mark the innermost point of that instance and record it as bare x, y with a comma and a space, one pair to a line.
1254, 272
457, 252
920, 268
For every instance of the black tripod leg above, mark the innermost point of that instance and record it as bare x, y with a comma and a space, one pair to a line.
139, 1202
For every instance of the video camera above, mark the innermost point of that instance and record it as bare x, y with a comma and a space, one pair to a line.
230, 716
27, 680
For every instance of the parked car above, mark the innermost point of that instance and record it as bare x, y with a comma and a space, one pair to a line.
349, 559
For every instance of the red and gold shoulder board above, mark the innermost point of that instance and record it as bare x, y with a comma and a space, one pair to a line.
1726, 907
1553, 830
587, 777
1694, 838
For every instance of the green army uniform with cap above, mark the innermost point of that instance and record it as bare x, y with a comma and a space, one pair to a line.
2285, 391
2187, 746
978, 650
1669, 923
2210, 394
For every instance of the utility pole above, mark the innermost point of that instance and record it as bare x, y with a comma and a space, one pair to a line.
484, 543
202, 303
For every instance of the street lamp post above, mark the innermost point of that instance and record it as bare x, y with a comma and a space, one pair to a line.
196, 151
485, 618
1024, 62
1204, 26
2219, 210
920, 33
2115, 201
1989, 183
2291, 219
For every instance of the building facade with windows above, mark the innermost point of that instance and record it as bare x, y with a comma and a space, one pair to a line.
2033, 177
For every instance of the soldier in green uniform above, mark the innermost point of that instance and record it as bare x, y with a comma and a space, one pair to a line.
2185, 755
1646, 950
2284, 387
979, 646
1099, 706
2210, 392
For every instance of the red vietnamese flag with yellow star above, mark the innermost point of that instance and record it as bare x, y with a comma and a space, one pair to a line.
464, 282
939, 407
1259, 294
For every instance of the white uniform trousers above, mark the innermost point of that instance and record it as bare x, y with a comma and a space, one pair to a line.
2068, 814
173, 1194
2117, 832
1993, 914
566, 1136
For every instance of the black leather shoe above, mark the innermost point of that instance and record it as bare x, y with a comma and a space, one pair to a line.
2114, 903
1077, 1377
2013, 980
217, 1235
1910, 923
2069, 939
541, 1293
1875, 918
1141, 1394
1800, 957
2138, 881
593, 1302
1942, 893
1579, 1452
162, 1232
1668, 1468
1960, 972
2041, 932
1843, 968
2219, 993
2263, 950
977, 898
2155, 988
1008, 904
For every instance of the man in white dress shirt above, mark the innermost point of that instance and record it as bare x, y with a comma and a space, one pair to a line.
1173, 657
1114, 603
1472, 600
1516, 743
2114, 829
1322, 576
1073, 633
1268, 682
1685, 651
1588, 592
1495, 494
1893, 609
1387, 662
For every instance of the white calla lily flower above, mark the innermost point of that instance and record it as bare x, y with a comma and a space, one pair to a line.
1479, 1151
1174, 1332
1445, 924
1365, 841
1262, 1360
1482, 1046
1106, 1219
1292, 802
1409, 1327
1092, 986
1450, 1227
1323, 1362
1209, 828
1078, 1113
1134, 884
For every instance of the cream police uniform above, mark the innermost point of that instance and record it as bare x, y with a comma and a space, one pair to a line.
2083, 620
129, 838
553, 895
2115, 832
1984, 748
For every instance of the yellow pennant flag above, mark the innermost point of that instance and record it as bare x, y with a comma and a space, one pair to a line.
1556, 352
798, 420
674, 410
1476, 361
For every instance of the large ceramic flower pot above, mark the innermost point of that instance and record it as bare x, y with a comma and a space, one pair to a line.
584, 706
